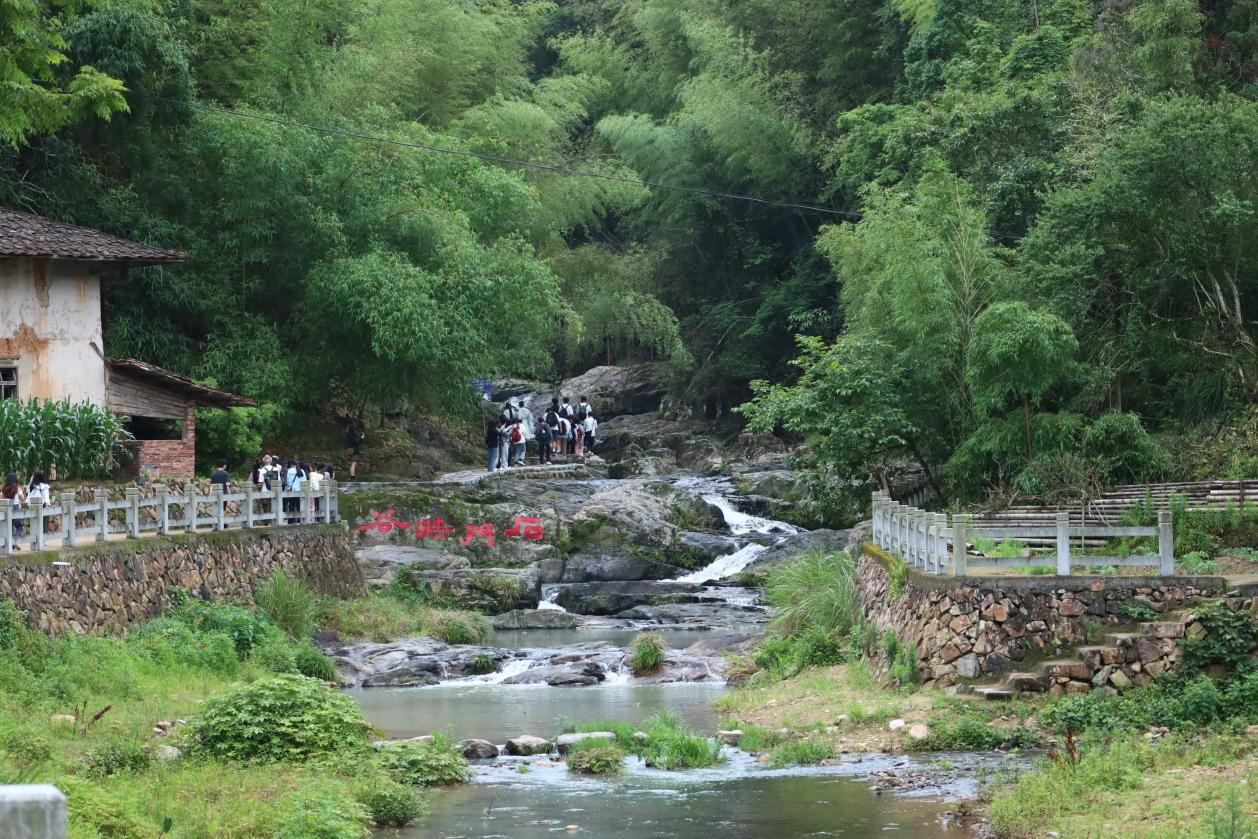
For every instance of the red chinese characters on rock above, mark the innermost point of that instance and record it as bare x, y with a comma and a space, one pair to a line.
527, 527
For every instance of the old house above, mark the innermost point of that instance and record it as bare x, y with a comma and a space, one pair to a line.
51, 344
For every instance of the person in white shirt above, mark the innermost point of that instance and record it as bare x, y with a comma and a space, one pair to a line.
590, 426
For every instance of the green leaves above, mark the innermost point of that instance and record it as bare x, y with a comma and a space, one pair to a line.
83, 440
1017, 352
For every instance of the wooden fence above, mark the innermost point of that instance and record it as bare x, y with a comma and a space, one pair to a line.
46, 526
939, 544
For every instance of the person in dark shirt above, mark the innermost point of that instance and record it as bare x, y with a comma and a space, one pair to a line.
220, 475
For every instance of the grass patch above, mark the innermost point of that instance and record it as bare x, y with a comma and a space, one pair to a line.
807, 752
972, 733
596, 758
382, 617
289, 603
669, 744
647, 653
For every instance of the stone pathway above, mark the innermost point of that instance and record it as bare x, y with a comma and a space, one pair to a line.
573, 469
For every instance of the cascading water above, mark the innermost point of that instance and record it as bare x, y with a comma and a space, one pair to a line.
716, 491
549, 594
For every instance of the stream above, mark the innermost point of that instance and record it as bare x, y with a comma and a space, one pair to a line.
742, 797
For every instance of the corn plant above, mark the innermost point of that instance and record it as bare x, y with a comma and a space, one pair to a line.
85, 441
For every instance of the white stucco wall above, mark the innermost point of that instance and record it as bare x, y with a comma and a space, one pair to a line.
49, 320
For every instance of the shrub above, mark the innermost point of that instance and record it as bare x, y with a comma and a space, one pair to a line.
596, 759
311, 661
320, 811
647, 653
483, 663
1136, 611
95, 811
456, 627
117, 755
784, 657
275, 655
168, 641
278, 718
1229, 640
246, 629
973, 734
816, 591
424, 762
391, 803
289, 603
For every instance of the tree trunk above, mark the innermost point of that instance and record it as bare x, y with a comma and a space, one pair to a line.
1026, 420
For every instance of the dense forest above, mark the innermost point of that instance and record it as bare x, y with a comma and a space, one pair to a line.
1004, 241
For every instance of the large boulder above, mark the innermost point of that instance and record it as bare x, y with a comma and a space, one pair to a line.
616, 597
536, 619
635, 389
380, 563
411, 662
593, 568
645, 513
798, 543
488, 590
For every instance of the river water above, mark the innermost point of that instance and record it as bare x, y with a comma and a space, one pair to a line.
528, 798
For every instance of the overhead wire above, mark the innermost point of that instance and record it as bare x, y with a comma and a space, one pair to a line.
526, 164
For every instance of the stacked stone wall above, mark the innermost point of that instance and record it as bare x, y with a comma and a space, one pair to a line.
110, 588
977, 627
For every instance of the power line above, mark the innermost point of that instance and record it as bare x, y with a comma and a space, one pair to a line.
529, 164
509, 161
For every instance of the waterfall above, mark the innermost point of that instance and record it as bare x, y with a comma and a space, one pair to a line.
547, 601
725, 566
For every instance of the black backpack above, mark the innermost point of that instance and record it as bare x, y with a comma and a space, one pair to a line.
552, 419
509, 414
582, 411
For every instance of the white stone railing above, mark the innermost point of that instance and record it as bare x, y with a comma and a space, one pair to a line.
55, 525
938, 544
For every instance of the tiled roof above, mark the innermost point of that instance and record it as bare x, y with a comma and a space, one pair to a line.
23, 234
169, 380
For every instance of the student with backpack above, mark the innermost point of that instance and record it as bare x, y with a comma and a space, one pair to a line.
504, 444
517, 443
561, 435
543, 443
583, 409
590, 426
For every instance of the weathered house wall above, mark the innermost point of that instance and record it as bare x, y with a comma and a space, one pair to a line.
50, 323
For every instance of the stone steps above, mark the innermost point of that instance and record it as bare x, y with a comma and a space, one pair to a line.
1123, 660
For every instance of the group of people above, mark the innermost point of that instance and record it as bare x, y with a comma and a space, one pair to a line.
564, 428
18, 496
289, 475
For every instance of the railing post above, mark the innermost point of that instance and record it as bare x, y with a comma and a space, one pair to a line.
334, 502
896, 537
133, 512
250, 489
37, 523
307, 502
1166, 543
220, 510
69, 527
1063, 543
918, 521
880, 508
6, 527
190, 506
163, 509
102, 515
960, 535
277, 503
941, 543
327, 501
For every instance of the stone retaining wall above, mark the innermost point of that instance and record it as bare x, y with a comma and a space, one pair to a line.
109, 588
971, 627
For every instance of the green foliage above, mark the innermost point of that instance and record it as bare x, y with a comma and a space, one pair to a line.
596, 759
671, 745
815, 591
117, 755
973, 734
246, 629
282, 717
805, 752
424, 763
391, 804
456, 627
41, 99
289, 603
170, 641
1229, 640
234, 435
320, 812
1230, 821
82, 439
647, 653
1136, 611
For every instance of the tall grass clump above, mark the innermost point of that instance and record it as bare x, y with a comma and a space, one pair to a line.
671, 745
85, 441
595, 757
289, 603
647, 653
815, 591
456, 627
